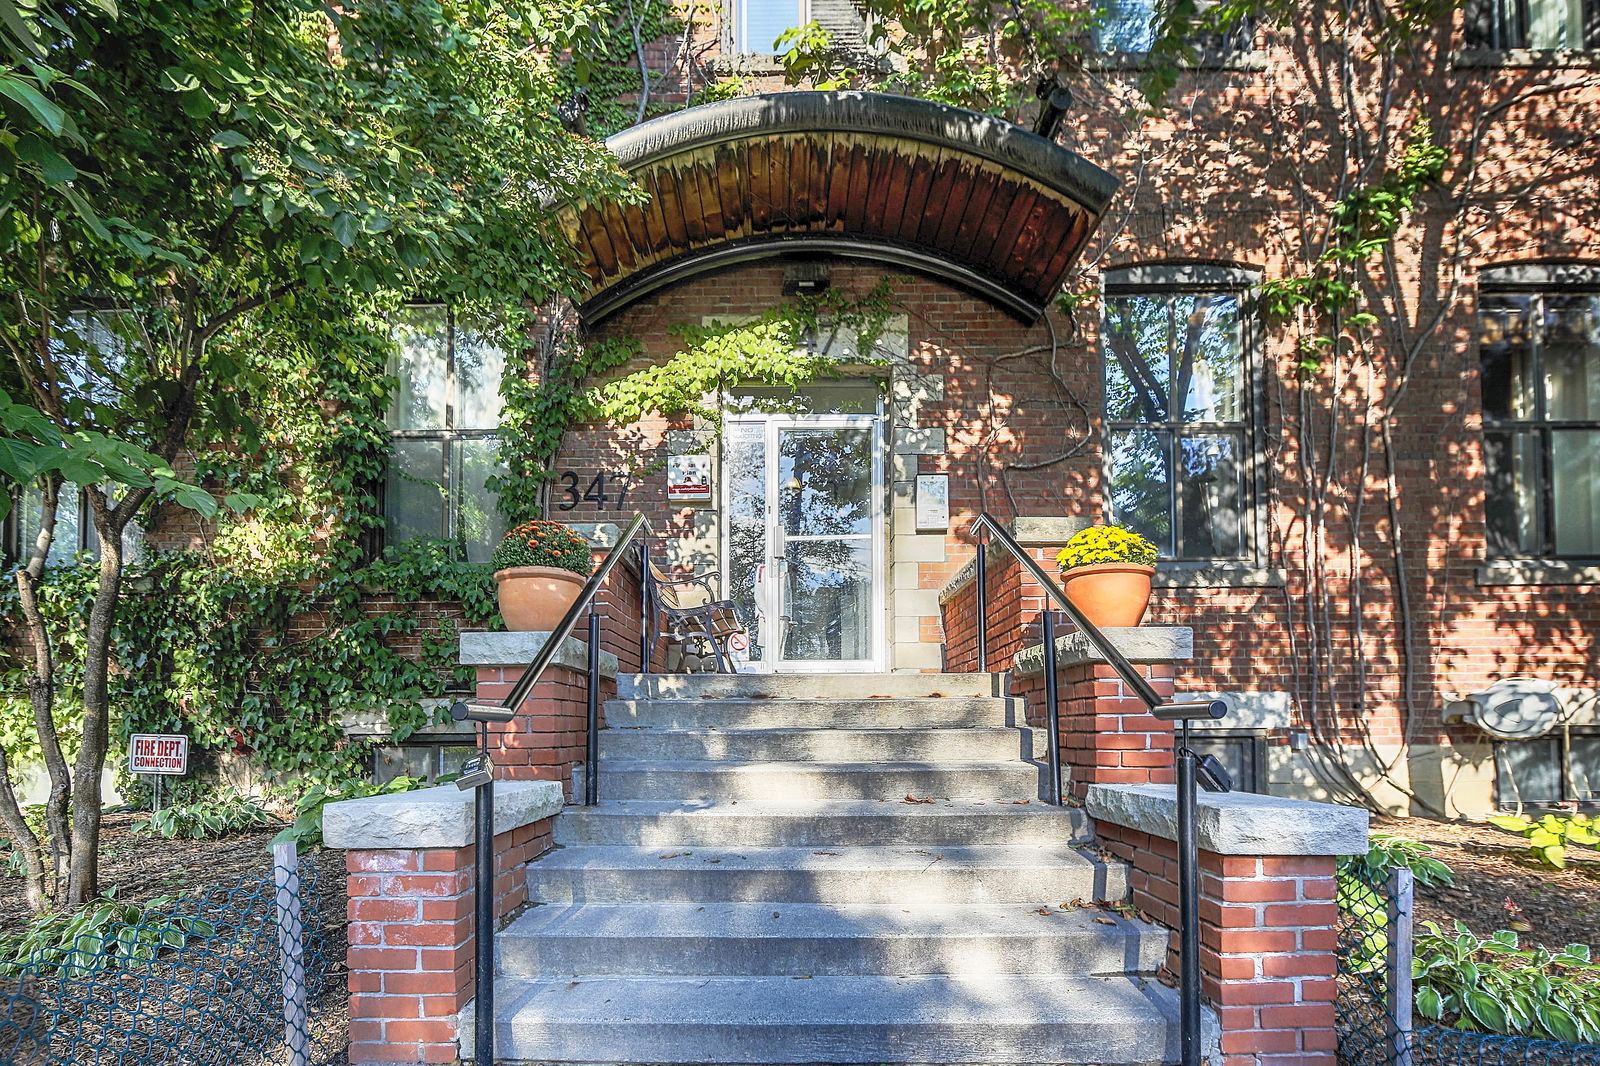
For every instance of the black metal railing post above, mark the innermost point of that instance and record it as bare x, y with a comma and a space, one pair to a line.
983, 611
647, 616
483, 907
591, 755
1052, 708
1188, 909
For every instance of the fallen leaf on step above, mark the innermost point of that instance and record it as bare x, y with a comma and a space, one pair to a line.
824, 853
699, 908
774, 914
804, 977
1046, 911
713, 860
912, 799
1106, 921
1019, 802
672, 855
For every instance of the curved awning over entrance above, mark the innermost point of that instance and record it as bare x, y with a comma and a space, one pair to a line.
977, 201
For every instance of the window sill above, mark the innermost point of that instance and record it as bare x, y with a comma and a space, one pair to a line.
1551, 58
1217, 576
1538, 573
1246, 61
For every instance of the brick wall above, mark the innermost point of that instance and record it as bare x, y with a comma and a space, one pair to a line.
411, 942
1268, 933
1108, 737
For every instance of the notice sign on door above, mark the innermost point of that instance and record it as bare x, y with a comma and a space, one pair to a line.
688, 478
158, 753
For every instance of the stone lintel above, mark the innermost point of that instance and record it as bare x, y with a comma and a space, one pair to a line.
439, 817
1047, 531
1237, 823
1139, 644
519, 649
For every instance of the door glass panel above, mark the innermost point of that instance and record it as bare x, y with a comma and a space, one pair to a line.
744, 466
828, 599
825, 482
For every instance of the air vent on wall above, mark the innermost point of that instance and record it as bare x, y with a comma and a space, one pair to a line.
1518, 708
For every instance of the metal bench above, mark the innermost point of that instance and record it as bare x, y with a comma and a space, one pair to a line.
695, 617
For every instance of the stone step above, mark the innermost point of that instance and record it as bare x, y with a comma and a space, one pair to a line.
821, 745
1005, 1019
1043, 875
839, 940
799, 782
804, 686
649, 824
844, 712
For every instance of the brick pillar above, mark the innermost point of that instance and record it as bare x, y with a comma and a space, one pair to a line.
1268, 921
546, 740
410, 883
1108, 736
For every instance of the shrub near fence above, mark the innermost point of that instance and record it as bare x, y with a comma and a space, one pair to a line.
228, 977
1376, 1022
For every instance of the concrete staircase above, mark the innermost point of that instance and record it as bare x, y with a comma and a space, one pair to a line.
767, 881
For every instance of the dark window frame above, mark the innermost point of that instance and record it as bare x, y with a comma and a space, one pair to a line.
1540, 426
1506, 799
448, 438
1254, 743
1199, 279
1504, 25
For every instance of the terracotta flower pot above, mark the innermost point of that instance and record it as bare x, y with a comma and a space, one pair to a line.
1110, 594
534, 598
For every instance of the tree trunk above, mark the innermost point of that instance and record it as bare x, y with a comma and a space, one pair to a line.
41, 696
83, 882
23, 840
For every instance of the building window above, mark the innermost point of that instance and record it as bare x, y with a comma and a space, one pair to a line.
1130, 26
442, 416
1561, 768
1540, 359
1178, 419
1535, 24
757, 24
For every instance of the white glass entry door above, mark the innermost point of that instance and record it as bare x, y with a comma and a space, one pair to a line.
803, 550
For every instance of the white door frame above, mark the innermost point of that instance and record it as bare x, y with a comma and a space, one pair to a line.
769, 589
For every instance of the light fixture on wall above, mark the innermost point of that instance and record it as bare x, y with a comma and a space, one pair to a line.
806, 278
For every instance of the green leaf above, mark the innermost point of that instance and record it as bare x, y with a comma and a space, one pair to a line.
1487, 1010
344, 228
1429, 1003
51, 116
53, 167
229, 139
176, 79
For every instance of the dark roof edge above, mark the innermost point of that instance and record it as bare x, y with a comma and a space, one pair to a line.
877, 114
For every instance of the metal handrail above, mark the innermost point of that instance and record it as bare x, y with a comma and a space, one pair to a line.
1184, 757
569, 621
1112, 655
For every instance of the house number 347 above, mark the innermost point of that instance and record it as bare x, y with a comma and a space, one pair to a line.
596, 492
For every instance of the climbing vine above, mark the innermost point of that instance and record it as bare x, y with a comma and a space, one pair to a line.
785, 346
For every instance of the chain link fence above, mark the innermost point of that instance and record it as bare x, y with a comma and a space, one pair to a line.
228, 977
1375, 1014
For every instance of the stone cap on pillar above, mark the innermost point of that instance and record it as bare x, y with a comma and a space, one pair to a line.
439, 817
1236, 823
519, 649
1139, 644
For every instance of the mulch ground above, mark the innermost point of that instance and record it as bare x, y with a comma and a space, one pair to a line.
139, 867
1493, 869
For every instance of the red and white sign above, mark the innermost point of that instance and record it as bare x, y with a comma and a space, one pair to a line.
158, 753
688, 478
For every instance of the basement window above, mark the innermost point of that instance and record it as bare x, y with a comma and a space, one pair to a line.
1560, 769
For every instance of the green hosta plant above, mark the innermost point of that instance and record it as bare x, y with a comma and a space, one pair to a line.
305, 831
1549, 836
1361, 896
206, 819
544, 543
1496, 986
1106, 544
101, 935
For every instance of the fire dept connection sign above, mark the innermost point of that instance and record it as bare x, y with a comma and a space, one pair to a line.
158, 753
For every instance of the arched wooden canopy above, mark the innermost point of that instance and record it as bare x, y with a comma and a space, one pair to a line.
974, 200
